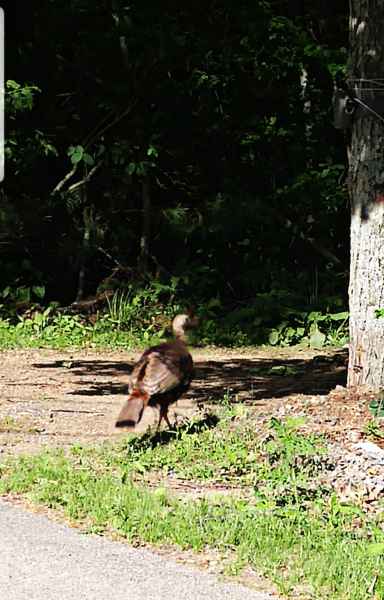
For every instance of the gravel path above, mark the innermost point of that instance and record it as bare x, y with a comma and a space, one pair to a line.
44, 560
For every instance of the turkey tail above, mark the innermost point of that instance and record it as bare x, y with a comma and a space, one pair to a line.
132, 411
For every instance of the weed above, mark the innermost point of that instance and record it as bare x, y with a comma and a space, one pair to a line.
121, 308
374, 429
135, 317
140, 315
9, 424
63, 331
273, 318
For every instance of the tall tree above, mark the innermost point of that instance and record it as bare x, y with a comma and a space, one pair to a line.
366, 289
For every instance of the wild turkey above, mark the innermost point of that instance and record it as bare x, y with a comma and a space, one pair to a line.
161, 375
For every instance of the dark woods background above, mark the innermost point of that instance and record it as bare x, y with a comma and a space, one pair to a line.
203, 159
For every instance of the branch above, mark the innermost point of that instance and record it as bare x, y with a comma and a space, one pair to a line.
85, 180
90, 138
117, 119
65, 179
68, 410
323, 251
91, 135
117, 263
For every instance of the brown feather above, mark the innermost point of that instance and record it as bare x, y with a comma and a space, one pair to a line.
132, 410
161, 375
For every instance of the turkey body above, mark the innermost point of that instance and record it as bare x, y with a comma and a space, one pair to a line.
161, 375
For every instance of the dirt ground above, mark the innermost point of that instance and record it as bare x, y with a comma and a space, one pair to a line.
55, 398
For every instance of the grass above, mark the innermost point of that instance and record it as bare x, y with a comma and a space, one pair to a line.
68, 331
9, 424
374, 428
140, 316
283, 523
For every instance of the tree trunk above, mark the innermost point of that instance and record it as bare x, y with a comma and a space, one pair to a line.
85, 250
366, 181
146, 224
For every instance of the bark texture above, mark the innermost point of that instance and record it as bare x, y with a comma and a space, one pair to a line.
146, 225
366, 180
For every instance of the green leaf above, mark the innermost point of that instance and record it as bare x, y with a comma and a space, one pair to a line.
131, 168
39, 291
313, 316
140, 168
289, 333
273, 337
152, 151
321, 317
291, 370
76, 154
277, 370
341, 316
23, 294
283, 370
88, 159
317, 338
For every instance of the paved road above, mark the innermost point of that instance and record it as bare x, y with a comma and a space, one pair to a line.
43, 560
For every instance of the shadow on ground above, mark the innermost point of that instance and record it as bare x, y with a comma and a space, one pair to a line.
242, 379
164, 437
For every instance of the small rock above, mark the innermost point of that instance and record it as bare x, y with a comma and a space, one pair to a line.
339, 388
371, 449
354, 435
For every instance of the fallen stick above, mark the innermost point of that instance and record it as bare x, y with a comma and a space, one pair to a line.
70, 410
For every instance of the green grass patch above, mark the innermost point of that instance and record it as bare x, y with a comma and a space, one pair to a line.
67, 331
221, 450
133, 317
293, 531
136, 315
9, 424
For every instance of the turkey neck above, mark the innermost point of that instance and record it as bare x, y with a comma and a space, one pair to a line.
180, 340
